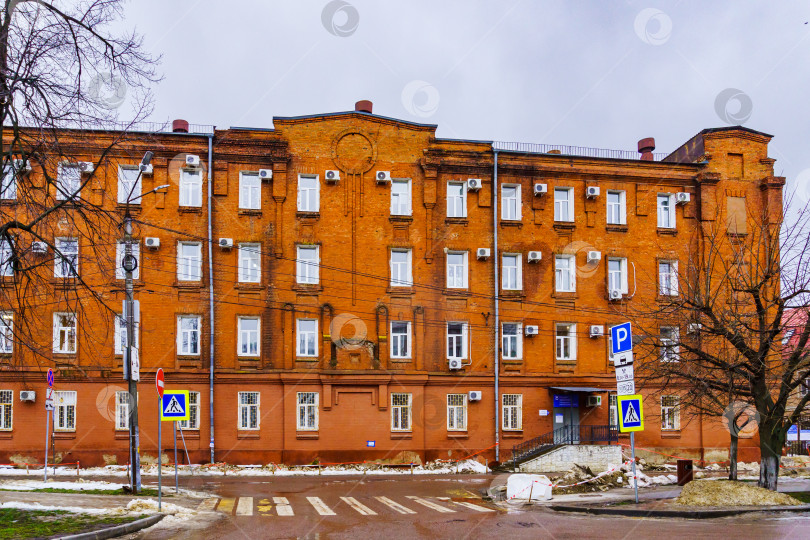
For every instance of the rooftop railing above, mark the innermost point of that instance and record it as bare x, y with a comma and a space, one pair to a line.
583, 151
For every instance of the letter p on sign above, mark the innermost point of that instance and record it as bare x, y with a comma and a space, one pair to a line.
621, 338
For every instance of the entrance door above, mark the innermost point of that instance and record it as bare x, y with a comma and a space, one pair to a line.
566, 417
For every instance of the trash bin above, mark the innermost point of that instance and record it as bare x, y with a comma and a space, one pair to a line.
685, 471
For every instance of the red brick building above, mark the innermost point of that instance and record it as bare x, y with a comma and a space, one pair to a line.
352, 267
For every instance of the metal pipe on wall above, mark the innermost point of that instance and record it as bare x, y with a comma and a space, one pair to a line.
210, 301
497, 302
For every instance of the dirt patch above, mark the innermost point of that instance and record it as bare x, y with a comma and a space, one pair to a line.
729, 493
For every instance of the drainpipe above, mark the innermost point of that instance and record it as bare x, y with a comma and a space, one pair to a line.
210, 302
497, 302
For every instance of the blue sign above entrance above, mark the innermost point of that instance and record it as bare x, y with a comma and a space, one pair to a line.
566, 400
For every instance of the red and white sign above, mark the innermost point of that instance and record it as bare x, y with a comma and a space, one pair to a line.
159, 382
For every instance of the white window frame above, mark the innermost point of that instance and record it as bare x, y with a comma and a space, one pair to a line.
401, 411
64, 409
613, 411
247, 337
564, 207
193, 405
190, 188
122, 411
62, 335
457, 273
512, 344
400, 267
6, 254
63, 258
250, 191
511, 204
456, 412
189, 266
120, 345
249, 407
617, 279
457, 204
569, 273
512, 412
565, 341
307, 264
6, 410
306, 409
668, 278
666, 210
68, 185
6, 332
8, 189
512, 280
454, 340
308, 335
187, 349
669, 351
309, 196
398, 339
670, 413
250, 262
125, 184
120, 248
614, 208
401, 200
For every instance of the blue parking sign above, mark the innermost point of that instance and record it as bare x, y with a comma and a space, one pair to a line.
621, 338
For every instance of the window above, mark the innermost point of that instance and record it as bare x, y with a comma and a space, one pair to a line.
248, 342
617, 274
193, 405
400, 197
510, 202
6, 409
120, 248
188, 335
456, 412
129, 185
668, 278
457, 340
250, 191
6, 332
401, 412
66, 259
68, 181
307, 342
191, 187
64, 333
308, 193
6, 261
400, 339
670, 412
616, 208
248, 410
563, 204
511, 278
250, 263
306, 265
189, 261
512, 412
64, 414
121, 334
8, 188
566, 337
307, 411
511, 342
565, 273
401, 268
122, 410
613, 408
456, 200
456, 269
666, 211
669, 350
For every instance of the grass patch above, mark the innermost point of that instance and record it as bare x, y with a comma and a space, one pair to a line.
144, 492
803, 496
16, 523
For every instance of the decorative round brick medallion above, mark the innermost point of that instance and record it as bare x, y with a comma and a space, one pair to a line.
353, 152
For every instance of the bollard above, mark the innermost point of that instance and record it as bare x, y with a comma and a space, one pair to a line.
78, 466
319, 468
412, 468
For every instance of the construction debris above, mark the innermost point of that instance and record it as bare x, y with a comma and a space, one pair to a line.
730, 493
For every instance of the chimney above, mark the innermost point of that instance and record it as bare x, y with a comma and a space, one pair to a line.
179, 126
363, 105
645, 148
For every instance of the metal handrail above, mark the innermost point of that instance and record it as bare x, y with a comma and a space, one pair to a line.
572, 434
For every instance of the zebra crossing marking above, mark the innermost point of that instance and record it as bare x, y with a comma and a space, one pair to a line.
264, 508
320, 506
357, 505
226, 505
431, 505
283, 507
245, 506
474, 506
395, 505
208, 504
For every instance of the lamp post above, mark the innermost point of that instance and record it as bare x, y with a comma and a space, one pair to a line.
129, 263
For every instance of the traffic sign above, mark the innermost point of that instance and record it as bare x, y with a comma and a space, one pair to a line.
626, 388
623, 359
49, 404
621, 338
50, 377
159, 382
624, 373
174, 405
136, 365
631, 413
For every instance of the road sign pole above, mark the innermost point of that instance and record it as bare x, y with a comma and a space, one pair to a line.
176, 485
160, 456
47, 432
633, 457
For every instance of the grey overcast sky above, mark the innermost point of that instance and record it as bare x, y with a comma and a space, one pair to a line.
585, 73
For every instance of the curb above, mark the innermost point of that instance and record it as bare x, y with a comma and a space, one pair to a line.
118, 530
688, 514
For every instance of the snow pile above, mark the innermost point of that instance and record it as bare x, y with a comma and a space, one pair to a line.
45, 508
645, 480
79, 485
729, 493
150, 506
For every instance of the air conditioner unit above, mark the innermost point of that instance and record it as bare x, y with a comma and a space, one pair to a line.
86, 167
152, 242
594, 256
615, 294
531, 330
693, 328
454, 363
28, 395
540, 189
226, 243
38, 246
383, 177
266, 174
22, 167
594, 401
474, 395
592, 192
146, 169
597, 330
474, 184
682, 198
192, 160
332, 176
535, 256
482, 253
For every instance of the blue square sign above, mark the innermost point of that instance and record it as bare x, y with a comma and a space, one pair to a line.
621, 338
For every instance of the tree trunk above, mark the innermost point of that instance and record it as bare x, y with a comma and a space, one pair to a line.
732, 457
770, 454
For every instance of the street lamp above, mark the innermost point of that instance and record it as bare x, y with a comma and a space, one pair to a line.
129, 263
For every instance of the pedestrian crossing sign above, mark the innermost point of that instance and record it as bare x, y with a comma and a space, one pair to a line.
631, 413
174, 405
